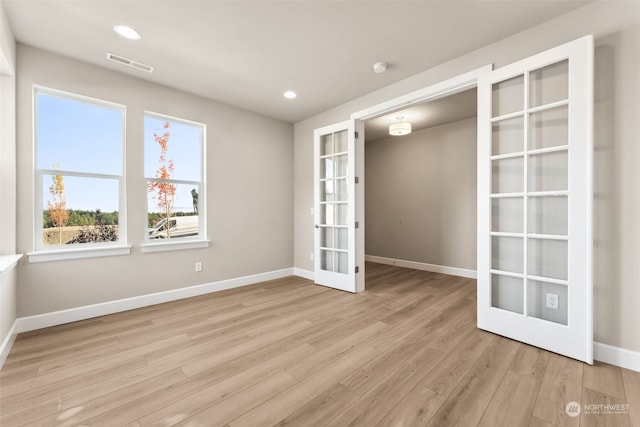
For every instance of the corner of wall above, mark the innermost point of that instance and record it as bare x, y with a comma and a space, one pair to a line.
8, 277
7, 44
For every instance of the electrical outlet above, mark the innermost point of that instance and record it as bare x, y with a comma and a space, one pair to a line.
198, 267
311, 211
552, 301
311, 256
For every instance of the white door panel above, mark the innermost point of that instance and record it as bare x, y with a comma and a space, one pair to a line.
337, 200
535, 200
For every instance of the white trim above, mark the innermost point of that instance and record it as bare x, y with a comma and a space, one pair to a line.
617, 356
39, 172
201, 185
79, 253
173, 246
301, 272
444, 88
7, 343
30, 323
435, 91
167, 117
8, 263
454, 271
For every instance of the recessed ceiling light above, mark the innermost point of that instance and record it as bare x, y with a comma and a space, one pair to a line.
289, 94
127, 32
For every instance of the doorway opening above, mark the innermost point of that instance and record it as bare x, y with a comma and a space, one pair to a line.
339, 202
449, 97
420, 192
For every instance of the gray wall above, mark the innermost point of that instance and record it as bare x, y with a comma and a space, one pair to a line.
8, 282
616, 27
420, 196
249, 192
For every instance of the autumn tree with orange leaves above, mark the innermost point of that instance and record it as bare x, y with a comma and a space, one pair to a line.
163, 191
58, 207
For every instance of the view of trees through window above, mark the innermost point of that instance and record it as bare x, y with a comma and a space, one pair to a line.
173, 170
80, 172
79, 145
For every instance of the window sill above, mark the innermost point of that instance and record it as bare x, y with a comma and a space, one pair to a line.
8, 262
173, 246
80, 253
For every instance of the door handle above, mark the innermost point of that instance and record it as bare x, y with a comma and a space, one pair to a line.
317, 226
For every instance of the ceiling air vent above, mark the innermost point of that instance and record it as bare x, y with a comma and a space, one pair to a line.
129, 62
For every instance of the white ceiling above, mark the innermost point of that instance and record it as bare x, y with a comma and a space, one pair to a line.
247, 53
460, 106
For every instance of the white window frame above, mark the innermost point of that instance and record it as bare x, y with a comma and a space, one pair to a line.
194, 242
42, 253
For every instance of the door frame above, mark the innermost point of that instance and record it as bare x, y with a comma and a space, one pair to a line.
451, 86
447, 87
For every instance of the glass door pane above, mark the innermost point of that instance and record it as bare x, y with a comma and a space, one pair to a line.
334, 198
548, 215
547, 258
548, 172
537, 305
549, 128
507, 293
507, 254
507, 136
508, 96
507, 215
508, 175
549, 84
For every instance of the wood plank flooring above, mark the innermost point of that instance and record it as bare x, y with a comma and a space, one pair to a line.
405, 352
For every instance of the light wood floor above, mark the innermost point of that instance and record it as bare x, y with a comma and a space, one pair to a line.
405, 352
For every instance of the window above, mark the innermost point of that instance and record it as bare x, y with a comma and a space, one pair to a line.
174, 175
79, 146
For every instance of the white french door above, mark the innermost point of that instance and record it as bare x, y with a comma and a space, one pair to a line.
338, 199
535, 148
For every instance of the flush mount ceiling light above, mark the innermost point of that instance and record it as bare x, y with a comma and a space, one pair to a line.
127, 32
400, 128
289, 94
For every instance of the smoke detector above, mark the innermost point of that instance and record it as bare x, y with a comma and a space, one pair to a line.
379, 67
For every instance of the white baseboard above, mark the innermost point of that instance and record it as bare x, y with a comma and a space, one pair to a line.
616, 356
7, 343
454, 271
300, 272
30, 323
